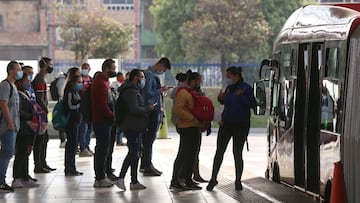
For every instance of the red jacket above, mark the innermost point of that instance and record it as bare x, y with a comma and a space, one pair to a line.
101, 100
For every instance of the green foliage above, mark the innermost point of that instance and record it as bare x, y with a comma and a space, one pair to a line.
91, 33
169, 16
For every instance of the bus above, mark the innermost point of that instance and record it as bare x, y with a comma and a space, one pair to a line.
310, 90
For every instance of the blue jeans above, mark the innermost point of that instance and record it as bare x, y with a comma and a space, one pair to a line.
132, 157
85, 131
149, 138
7, 142
102, 134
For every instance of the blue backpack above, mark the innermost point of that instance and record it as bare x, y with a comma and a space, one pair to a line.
60, 117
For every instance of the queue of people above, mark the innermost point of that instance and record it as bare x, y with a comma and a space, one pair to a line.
131, 107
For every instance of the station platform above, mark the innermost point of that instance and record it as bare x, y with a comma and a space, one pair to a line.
56, 188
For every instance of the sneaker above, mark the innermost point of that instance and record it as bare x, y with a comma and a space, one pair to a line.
6, 188
30, 183
137, 186
120, 184
151, 172
91, 151
193, 186
85, 153
103, 183
112, 177
17, 183
238, 186
212, 184
177, 186
62, 145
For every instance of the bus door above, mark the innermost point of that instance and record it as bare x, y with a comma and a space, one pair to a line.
307, 117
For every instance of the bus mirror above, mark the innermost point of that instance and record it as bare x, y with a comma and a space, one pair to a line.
260, 96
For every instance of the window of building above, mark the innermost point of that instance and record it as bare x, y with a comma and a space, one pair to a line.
71, 2
119, 5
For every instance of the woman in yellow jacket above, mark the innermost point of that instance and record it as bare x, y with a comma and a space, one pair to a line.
189, 129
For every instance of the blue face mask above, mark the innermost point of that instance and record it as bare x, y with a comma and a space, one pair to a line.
19, 75
158, 72
78, 86
30, 77
85, 72
142, 84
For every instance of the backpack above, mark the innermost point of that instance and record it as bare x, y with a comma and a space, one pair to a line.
60, 116
203, 107
54, 90
121, 109
85, 104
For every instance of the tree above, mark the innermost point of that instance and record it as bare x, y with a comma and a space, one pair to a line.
169, 16
91, 33
229, 29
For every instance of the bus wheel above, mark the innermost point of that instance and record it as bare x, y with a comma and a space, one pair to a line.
267, 174
276, 173
327, 191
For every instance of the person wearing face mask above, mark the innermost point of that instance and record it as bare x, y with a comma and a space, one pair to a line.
153, 95
25, 136
238, 99
29, 71
85, 125
40, 143
72, 106
133, 125
9, 120
102, 106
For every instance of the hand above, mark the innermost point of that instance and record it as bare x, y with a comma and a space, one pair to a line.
164, 88
11, 126
221, 95
29, 149
151, 107
239, 92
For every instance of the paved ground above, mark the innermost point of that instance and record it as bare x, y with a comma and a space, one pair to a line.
55, 187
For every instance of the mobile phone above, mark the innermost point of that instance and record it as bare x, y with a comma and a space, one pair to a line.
155, 104
170, 87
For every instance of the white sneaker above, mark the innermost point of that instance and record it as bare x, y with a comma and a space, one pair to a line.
17, 183
137, 186
30, 183
62, 144
120, 183
103, 183
85, 153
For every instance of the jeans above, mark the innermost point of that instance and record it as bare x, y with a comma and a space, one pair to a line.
21, 161
72, 132
132, 157
102, 134
187, 153
239, 133
149, 138
7, 142
85, 131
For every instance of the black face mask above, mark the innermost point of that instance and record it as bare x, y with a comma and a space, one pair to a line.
197, 87
49, 69
111, 74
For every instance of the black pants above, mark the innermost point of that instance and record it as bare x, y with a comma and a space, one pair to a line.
62, 136
40, 148
108, 169
133, 155
21, 161
103, 135
187, 153
72, 132
239, 133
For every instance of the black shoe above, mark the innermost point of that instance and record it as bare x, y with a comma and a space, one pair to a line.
141, 170
151, 172
50, 169
211, 185
112, 177
75, 173
192, 186
41, 170
157, 171
6, 188
33, 179
177, 186
238, 186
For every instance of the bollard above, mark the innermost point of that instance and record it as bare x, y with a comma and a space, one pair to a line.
163, 131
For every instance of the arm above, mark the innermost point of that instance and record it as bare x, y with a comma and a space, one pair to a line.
6, 114
40, 88
24, 111
103, 101
133, 103
72, 103
180, 108
248, 98
149, 88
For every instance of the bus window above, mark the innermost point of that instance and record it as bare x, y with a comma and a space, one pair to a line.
331, 93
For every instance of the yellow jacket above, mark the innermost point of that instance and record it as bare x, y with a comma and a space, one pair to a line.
183, 102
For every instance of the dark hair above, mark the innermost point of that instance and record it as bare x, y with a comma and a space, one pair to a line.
192, 75
26, 67
96, 74
11, 65
72, 80
134, 73
166, 62
236, 71
44, 61
84, 64
71, 71
181, 77
119, 74
107, 63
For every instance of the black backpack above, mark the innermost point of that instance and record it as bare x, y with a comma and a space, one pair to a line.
85, 104
54, 90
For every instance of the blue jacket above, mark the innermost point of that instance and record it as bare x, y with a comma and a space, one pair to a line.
151, 91
237, 108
